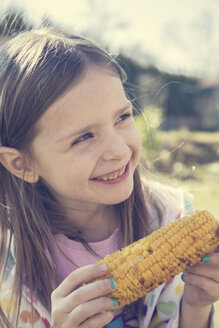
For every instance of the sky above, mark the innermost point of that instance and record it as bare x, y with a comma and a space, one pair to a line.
177, 36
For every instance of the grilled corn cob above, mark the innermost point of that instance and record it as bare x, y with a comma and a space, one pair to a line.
142, 266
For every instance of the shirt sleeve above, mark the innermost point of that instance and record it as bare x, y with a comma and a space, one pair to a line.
26, 318
40, 317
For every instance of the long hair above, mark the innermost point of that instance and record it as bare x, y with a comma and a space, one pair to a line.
36, 68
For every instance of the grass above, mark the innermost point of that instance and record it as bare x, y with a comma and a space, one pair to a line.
205, 189
184, 167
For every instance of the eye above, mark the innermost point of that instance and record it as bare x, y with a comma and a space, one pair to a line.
123, 117
84, 137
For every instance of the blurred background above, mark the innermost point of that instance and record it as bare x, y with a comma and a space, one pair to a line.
169, 50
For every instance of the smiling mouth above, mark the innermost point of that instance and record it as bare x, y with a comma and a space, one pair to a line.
112, 176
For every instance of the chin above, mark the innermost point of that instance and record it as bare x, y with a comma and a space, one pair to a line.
120, 198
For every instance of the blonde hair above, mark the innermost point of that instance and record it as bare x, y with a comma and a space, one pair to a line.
36, 67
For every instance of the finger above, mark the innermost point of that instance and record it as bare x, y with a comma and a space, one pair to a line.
209, 267
209, 271
200, 281
214, 258
99, 320
216, 250
88, 292
78, 277
91, 308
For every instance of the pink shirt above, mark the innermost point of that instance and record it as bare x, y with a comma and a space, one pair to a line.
77, 252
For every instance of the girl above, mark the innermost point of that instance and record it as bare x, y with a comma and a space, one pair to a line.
71, 193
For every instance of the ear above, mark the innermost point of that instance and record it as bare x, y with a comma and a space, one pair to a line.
17, 163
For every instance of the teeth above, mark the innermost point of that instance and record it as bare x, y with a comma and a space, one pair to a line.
112, 177
122, 172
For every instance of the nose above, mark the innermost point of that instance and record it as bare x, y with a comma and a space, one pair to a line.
115, 148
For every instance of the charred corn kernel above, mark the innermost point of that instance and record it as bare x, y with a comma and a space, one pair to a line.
142, 266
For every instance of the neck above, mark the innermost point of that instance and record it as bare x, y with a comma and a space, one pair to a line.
95, 224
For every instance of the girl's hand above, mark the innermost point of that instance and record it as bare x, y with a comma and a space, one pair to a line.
76, 304
202, 281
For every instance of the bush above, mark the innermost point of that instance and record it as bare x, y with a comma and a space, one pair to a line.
148, 123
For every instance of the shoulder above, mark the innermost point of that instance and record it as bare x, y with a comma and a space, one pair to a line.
172, 202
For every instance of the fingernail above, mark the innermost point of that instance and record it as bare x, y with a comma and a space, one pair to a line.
113, 283
115, 302
182, 276
206, 258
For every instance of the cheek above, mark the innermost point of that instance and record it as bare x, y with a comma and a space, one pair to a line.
82, 169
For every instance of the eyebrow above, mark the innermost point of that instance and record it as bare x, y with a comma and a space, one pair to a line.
91, 126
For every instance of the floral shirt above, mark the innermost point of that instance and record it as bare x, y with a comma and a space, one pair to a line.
161, 306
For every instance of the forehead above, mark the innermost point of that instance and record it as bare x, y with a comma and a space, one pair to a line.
97, 90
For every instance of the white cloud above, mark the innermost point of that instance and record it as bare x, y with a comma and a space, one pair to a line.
178, 34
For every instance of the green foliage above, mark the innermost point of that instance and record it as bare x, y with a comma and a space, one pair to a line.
148, 123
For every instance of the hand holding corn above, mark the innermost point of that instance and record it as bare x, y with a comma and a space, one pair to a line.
151, 261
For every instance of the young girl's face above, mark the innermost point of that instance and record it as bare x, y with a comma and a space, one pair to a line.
88, 145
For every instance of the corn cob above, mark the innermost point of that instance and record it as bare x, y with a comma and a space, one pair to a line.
151, 261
